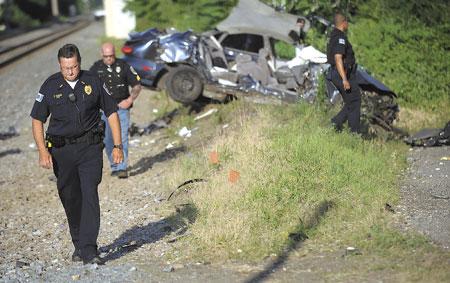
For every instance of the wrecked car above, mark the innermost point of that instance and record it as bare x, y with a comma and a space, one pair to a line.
140, 51
239, 59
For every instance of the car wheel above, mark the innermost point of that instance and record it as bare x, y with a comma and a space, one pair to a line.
184, 84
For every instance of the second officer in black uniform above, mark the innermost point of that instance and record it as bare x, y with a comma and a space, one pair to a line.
118, 77
73, 144
341, 57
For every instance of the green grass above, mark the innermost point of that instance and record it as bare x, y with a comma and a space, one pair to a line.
286, 172
292, 165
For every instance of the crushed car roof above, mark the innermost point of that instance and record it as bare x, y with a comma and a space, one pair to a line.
252, 16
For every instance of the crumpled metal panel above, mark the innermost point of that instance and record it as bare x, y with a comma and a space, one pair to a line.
253, 16
177, 47
248, 84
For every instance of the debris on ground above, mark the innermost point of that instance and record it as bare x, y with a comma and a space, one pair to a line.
233, 176
157, 124
430, 137
214, 157
12, 132
185, 132
207, 113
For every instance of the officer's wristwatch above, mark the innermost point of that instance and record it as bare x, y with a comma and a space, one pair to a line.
119, 146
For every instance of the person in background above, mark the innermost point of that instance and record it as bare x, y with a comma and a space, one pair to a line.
301, 32
118, 77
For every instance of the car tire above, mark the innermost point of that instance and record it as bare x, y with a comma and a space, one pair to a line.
184, 84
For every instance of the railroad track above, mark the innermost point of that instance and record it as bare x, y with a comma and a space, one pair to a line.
16, 47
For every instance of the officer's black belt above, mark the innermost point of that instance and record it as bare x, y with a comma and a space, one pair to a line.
90, 137
86, 137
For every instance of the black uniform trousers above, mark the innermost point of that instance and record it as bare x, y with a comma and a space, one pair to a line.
78, 169
351, 110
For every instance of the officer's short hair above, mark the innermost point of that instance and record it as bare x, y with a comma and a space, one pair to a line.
68, 51
300, 20
339, 17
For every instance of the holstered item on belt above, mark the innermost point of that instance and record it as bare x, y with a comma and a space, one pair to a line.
93, 136
100, 129
350, 70
54, 141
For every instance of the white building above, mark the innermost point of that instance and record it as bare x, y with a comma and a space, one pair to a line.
117, 22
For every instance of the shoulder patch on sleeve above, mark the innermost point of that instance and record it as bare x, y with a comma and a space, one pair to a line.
39, 97
106, 89
341, 41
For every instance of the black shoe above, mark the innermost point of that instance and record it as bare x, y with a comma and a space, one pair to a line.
94, 260
122, 174
76, 256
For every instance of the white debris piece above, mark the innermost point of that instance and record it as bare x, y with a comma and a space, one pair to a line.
227, 82
207, 113
170, 145
305, 55
185, 132
155, 110
134, 142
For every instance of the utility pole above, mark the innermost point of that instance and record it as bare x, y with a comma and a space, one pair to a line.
55, 8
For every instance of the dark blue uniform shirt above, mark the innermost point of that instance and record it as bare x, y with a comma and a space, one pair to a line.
339, 44
117, 77
72, 118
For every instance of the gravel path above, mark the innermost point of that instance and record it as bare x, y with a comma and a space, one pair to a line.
21, 80
135, 234
425, 195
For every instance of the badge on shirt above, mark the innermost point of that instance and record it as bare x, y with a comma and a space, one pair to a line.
118, 69
39, 97
341, 41
88, 89
109, 69
57, 96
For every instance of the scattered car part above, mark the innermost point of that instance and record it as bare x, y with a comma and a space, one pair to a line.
177, 190
430, 137
12, 132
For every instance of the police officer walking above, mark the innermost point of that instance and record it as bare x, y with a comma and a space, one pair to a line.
341, 57
73, 144
118, 76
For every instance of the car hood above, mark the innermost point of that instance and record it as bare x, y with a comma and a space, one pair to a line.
252, 16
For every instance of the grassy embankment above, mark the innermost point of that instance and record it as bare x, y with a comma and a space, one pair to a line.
291, 164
